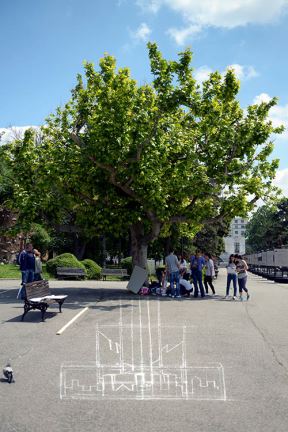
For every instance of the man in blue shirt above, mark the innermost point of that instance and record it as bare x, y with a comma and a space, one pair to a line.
27, 267
197, 262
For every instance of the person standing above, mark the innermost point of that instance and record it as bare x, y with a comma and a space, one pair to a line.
241, 269
172, 268
231, 276
38, 266
27, 268
197, 263
210, 272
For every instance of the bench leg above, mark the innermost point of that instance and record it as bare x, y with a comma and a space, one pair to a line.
60, 302
43, 309
26, 310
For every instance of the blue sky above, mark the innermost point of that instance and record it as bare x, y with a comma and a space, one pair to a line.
43, 45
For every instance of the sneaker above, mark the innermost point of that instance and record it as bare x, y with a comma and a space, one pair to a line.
178, 296
235, 298
226, 297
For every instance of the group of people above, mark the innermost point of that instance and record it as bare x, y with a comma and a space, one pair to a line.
179, 272
200, 270
30, 264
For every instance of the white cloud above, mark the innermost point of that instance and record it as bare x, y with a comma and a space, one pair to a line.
181, 35
281, 180
278, 114
142, 33
14, 132
218, 13
202, 74
243, 72
262, 97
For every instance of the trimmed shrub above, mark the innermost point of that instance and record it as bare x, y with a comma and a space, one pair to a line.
93, 270
63, 260
40, 238
127, 264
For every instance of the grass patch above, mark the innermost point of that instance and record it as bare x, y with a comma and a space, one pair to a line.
12, 271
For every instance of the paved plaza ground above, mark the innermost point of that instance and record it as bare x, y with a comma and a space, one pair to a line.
235, 353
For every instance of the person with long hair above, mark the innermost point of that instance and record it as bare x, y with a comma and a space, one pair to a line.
210, 272
241, 268
231, 277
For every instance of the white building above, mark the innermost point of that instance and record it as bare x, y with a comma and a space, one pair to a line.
235, 242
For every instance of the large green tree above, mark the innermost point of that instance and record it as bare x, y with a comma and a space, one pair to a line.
268, 227
120, 155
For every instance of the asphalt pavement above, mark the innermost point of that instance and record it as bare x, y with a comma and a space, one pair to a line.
133, 364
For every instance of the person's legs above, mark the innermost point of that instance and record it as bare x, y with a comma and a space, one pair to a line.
199, 280
30, 276
206, 283
194, 277
171, 278
209, 281
229, 278
177, 284
24, 275
234, 278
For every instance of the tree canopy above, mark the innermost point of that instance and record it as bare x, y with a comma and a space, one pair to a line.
121, 156
268, 227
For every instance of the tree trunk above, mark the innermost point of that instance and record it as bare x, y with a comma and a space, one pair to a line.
139, 246
79, 248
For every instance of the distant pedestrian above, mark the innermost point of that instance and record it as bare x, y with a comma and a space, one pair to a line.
241, 269
172, 268
231, 276
197, 262
27, 268
38, 266
210, 272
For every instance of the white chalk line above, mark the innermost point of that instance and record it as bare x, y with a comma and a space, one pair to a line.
72, 320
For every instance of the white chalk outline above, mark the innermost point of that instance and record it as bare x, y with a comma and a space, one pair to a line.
126, 379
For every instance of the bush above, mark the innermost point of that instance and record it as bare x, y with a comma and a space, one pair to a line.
127, 264
63, 260
93, 270
40, 238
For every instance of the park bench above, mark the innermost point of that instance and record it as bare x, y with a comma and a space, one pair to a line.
38, 296
113, 272
68, 272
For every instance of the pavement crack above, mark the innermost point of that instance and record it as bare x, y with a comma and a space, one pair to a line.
267, 342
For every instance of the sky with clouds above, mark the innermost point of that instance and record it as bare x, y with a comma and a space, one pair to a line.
44, 43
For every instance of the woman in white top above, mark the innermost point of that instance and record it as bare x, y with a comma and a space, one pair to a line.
241, 268
231, 276
38, 266
210, 273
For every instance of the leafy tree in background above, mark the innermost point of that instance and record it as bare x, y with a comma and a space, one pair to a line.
268, 227
123, 156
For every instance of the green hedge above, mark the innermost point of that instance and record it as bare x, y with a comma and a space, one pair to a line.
93, 270
127, 263
63, 260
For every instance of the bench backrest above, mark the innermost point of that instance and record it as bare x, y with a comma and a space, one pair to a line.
70, 271
108, 271
37, 289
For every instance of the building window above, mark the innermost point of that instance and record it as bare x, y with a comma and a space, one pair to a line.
242, 226
243, 233
236, 232
242, 221
237, 247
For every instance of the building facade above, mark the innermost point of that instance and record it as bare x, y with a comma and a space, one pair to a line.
235, 241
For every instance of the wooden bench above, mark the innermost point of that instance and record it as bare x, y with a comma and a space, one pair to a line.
113, 272
38, 296
68, 272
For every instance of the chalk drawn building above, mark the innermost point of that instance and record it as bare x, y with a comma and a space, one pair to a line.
125, 369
